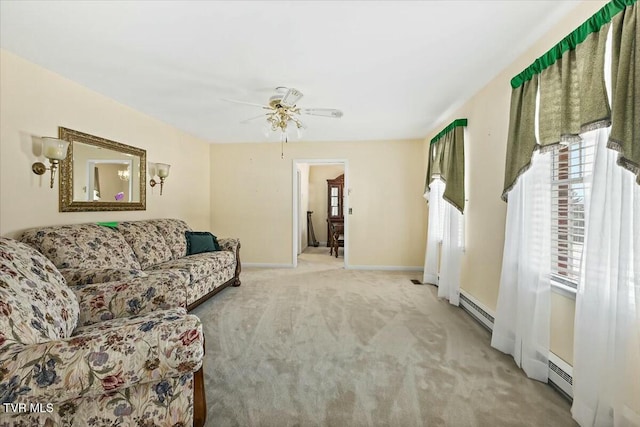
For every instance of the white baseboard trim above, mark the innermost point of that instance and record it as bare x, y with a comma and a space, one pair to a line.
560, 372
383, 268
477, 310
266, 265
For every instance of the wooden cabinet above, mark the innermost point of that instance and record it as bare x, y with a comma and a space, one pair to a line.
335, 198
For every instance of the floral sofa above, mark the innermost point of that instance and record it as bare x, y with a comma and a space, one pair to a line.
150, 250
60, 365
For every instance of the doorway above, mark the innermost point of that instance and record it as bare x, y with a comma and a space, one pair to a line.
309, 190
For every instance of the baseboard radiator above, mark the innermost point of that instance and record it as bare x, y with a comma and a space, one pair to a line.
559, 371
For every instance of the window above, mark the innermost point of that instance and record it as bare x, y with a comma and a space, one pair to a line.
571, 164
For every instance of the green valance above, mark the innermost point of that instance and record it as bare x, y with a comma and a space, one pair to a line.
592, 25
455, 123
521, 137
625, 89
573, 95
446, 161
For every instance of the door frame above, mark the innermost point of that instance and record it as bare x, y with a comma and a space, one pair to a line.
295, 209
299, 196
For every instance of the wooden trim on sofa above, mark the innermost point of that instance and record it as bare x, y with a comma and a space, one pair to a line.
238, 267
234, 281
199, 396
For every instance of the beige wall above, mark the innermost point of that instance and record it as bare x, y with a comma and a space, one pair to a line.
318, 177
252, 189
563, 311
488, 114
35, 101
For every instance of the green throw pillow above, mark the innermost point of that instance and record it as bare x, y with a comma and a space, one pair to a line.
201, 241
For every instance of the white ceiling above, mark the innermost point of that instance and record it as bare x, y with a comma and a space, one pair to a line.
396, 68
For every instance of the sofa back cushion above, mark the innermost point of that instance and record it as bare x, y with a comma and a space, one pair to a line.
173, 232
146, 241
35, 303
82, 245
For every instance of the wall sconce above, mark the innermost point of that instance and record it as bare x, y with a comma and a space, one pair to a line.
162, 170
55, 150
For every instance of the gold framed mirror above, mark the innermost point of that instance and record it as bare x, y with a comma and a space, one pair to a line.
101, 175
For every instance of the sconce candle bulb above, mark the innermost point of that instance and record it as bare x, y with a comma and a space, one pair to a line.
162, 169
55, 150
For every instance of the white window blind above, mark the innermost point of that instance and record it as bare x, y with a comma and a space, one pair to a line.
571, 164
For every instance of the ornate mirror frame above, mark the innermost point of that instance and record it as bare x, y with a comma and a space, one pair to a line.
67, 202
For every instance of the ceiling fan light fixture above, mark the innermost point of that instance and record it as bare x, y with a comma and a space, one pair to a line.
283, 113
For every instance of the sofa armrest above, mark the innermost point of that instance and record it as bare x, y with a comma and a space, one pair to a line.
232, 244
106, 359
229, 244
82, 276
104, 301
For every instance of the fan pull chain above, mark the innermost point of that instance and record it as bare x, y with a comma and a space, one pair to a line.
283, 138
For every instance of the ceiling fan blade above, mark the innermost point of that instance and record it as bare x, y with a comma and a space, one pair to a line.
325, 112
261, 116
246, 103
291, 97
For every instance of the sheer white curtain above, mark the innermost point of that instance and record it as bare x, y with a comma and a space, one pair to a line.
451, 255
445, 244
435, 231
606, 370
521, 326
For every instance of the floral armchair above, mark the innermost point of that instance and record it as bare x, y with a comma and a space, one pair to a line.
117, 353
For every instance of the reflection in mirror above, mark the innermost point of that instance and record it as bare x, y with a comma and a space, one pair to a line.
101, 175
104, 175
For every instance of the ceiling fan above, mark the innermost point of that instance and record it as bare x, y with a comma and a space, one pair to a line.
282, 110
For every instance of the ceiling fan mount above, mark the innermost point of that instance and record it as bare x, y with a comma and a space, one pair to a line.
274, 101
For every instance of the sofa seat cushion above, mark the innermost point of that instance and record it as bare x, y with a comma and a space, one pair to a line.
173, 232
35, 303
200, 265
146, 241
82, 245
201, 288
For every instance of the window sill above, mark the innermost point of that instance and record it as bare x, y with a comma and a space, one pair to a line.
564, 290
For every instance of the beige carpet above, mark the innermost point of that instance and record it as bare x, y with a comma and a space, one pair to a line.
323, 346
